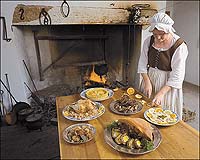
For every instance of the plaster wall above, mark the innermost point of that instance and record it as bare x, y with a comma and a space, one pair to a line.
186, 17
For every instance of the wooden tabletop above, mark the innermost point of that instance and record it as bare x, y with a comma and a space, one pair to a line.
178, 141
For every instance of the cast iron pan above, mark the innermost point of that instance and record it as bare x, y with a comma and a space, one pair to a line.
19, 105
101, 69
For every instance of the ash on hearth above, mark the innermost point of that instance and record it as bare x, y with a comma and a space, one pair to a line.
48, 98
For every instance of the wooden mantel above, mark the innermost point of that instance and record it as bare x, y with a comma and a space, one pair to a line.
104, 12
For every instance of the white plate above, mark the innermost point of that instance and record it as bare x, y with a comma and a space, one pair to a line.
65, 132
98, 105
169, 124
110, 94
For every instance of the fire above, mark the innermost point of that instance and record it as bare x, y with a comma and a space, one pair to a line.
92, 78
96, 78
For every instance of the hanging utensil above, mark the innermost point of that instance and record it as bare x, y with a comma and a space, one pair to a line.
1, 102
36, 98
30, 76
19, 105
7, 81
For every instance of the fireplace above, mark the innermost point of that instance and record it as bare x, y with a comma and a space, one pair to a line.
64, 45
67, 54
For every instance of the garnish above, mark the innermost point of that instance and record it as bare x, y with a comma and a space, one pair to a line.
148, 145
112, 125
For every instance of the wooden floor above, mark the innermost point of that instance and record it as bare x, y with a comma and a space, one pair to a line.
19, 143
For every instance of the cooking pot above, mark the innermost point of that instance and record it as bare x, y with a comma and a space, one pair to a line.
34, 122
22, 114
101, 69
19, 105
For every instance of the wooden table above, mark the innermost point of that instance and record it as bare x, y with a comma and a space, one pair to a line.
178, 141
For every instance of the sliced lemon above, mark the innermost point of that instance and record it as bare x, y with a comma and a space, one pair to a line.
130, 91
173, 116
151, 110
149, 115
138, 96
167, 112
158, 110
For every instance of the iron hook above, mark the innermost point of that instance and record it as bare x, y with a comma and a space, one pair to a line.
62, 10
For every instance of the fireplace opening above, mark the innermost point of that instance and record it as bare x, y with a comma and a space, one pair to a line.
66, 54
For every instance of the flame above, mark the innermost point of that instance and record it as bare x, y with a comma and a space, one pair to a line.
96, 78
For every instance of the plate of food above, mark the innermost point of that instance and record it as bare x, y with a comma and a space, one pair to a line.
79, 133
83, 110
161, 117
126, 106
97, 94
133, 136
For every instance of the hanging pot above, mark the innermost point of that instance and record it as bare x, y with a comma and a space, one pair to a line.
34, 121
101, 69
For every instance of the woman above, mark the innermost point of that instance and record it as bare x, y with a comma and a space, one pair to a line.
162, 64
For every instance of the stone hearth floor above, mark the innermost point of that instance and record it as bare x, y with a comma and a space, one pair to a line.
19, 143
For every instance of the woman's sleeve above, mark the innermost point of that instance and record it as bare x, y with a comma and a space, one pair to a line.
143, 60
178, 62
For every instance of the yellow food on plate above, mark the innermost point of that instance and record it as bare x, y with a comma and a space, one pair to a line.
138, 96
173, 116
97, 93
158, 110
143, 102
151, 110
167, 112
161, 116
130, 91
66, 113
162, 122
149, 115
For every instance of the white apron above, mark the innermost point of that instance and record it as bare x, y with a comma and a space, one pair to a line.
173, 99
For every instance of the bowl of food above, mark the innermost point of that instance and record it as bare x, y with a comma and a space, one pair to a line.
79, 133
132, 136
83, 110
126, 105
97, 94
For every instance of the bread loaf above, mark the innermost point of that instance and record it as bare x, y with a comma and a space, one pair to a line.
142, 125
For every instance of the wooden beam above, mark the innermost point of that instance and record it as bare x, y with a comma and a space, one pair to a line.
31, 14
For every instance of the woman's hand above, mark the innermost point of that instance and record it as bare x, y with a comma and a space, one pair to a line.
148, 88
147, 85
159, 96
